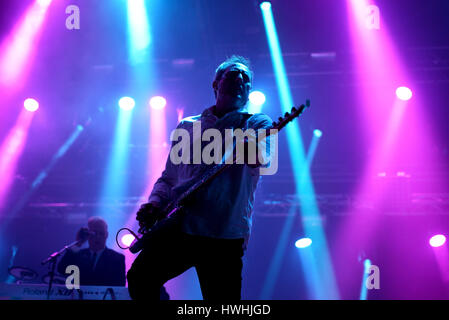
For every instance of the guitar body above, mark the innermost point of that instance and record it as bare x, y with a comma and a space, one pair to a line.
168, 218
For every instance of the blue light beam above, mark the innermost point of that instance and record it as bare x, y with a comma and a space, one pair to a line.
115, 181
139, 34
324, 285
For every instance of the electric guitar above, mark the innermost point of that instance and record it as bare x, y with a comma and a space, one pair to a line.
176, 206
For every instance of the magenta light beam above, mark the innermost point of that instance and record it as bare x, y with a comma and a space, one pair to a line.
17, 49
441, 252
11, 150
395, 134
157, 154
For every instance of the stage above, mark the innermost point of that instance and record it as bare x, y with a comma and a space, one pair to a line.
356, 204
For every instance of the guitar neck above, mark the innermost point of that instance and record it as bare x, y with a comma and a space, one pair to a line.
211, 175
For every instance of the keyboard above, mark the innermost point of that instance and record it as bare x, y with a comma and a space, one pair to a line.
60, 292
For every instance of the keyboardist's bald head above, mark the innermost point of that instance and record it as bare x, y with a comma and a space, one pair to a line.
99, 233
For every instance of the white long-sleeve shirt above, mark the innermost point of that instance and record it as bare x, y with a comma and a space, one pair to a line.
222, 209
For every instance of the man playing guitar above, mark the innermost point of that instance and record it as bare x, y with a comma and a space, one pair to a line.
213, 229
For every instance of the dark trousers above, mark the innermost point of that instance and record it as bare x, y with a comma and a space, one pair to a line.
170, 252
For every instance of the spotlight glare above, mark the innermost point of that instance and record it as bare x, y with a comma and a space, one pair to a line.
437, 240
158, 102
126, 103
367, 264
318, 133
127, 239
31, 104
44, 3
303, 243
404, 93
257, 98
265, 5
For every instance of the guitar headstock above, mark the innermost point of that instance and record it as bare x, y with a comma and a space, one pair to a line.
294, 113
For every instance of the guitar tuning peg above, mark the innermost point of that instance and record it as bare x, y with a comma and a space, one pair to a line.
286, 114
294, 109
280, 119
274, 124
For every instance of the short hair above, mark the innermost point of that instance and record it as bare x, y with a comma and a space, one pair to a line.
95, 220
234, 59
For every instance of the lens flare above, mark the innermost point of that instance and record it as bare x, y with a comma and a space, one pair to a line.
404, 93
44, 3
303, 243
158, 102
257, 98
127, 239
437, 240
265, 5
126, 103
31, 105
